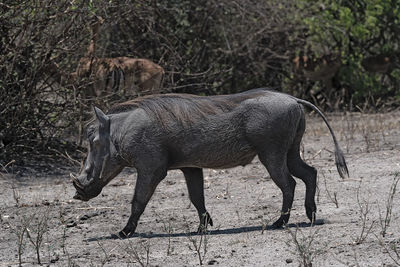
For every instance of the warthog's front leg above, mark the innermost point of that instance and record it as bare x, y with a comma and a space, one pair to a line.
146, 183
195, 183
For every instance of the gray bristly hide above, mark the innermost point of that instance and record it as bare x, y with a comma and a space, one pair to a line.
158, 133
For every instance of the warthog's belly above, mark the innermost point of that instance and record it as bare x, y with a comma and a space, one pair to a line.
228, 161
214, 156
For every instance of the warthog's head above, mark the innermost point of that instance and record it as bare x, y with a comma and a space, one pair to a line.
102, 163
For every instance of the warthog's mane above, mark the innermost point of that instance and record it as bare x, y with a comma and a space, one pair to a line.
183, 108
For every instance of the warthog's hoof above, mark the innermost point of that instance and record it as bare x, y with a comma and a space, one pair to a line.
122, 235
204, 222
128, 231
280, 222
311, 215
202, 229
277, 225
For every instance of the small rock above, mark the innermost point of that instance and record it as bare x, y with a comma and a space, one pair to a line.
85, 217
54, 259
70, 223
212, 262
289, 260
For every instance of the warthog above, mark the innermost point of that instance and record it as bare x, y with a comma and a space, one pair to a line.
158, 133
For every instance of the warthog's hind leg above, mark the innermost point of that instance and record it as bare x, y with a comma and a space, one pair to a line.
195, 183
306, 173
275, 162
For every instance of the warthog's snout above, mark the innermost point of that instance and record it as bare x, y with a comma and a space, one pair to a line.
80, 193
83, 192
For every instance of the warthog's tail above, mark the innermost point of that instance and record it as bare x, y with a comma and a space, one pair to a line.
339, 157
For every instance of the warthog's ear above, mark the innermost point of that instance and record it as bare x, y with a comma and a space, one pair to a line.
104, 120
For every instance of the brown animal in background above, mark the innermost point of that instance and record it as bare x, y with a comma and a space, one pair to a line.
120, 74
322, 69
110, 75
318, 69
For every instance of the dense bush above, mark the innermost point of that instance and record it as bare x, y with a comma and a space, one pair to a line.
206, 47
366, 34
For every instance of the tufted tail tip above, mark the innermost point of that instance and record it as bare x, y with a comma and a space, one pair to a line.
341, 164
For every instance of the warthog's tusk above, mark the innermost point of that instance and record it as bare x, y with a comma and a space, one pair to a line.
73, 178
75, 181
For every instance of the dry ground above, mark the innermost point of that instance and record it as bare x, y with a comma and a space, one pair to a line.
242, 202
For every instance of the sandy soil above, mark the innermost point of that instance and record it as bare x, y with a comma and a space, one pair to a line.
243, 202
